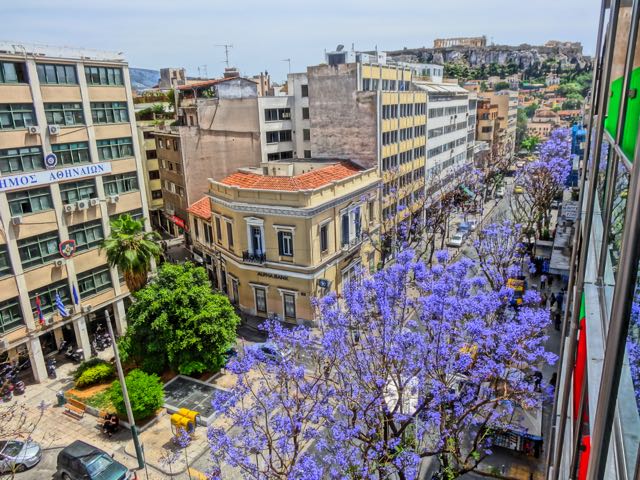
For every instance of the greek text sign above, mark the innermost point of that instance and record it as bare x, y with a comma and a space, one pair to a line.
14, 182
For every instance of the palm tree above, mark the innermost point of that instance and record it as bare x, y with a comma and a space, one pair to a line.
130, 248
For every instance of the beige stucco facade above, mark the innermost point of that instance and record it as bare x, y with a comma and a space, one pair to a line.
245, 248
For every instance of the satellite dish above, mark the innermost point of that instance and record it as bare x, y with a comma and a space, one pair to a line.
339, 48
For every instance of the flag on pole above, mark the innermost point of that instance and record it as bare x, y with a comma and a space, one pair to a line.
39, 310
74, 292
61, 308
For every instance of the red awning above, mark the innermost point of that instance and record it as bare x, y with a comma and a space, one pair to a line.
178, 221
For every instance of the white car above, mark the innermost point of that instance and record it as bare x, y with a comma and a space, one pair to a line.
457, 240
500, 192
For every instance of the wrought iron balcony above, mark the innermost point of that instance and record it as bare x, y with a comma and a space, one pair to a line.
253, 257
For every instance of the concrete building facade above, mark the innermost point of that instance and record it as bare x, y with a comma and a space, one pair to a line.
276, 236
69, 162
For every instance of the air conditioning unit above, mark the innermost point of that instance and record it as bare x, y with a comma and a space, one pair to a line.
87, 308
83, 204
94, 201
69, 207
114, 198
54, 129
16, 220
59, 262
34, 130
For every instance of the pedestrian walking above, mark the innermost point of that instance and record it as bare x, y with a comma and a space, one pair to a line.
560, 298
552, 300
538, 379
557, 320
543, 281
554, 379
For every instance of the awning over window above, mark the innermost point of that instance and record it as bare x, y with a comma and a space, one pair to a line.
467, 191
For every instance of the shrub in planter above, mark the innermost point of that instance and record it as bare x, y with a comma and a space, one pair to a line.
97, 374
145, 393
86, 365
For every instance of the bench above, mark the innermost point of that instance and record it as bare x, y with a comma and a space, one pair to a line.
75, 407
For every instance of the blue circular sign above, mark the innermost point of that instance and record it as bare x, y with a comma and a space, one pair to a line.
51, 160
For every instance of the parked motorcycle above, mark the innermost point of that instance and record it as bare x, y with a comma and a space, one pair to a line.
51, 368
74, 354
64, 345
19, 387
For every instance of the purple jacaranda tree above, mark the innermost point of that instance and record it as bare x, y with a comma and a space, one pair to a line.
543, 180
500, 252
411, 363
275, 412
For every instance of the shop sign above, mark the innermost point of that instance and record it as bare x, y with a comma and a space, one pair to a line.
273, 275
46, 177
323, 283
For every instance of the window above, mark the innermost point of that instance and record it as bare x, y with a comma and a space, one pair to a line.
307, 154
47, 296
16, 115
120, 183
371, 211
486, 129
156, 194
109, 112
115, 148
103, 76
94, 281
26, 159
154, 175
324, 238
285, 243
10, 315
274, 114
261, 299
64, 113
30, 201
57, 74
279, 136
135, 214
87, 235
208, 234
289, 300
280, 155
5, 263
218, 230
13, 72
39, 249
305, 113
229, 234
306, 134
304, 90
72, 153
73, 191
351, 226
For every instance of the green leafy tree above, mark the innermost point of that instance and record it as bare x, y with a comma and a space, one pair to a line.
145, 394
130, 249
530, 110
178, 322
530, 143
521, 126
501, 86
567, 89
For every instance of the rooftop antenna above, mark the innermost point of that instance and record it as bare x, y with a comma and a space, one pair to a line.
288, 60
226, 47
204, 69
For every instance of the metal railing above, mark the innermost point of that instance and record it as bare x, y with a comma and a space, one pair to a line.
253, 257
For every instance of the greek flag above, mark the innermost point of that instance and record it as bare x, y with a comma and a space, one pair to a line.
61, 308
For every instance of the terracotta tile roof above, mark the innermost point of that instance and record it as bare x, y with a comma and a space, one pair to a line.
306, 181
201, 208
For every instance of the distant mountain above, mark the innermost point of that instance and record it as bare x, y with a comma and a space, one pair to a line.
143, 78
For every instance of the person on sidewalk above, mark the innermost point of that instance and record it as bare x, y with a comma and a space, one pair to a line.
543, 281
552, 300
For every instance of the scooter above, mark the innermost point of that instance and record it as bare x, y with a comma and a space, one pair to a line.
19, 387
51, 368
74, 354
64, 345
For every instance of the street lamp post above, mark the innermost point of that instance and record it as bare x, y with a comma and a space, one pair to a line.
125, 394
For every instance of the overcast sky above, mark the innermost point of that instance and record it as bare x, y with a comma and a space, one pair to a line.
162, 33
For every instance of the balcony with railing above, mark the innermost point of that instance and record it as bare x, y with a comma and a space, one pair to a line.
250, 257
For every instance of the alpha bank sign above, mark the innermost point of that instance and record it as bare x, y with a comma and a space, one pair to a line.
25, 180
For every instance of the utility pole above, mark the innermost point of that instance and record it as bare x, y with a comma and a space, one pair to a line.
288, 60
226, 47
125, 394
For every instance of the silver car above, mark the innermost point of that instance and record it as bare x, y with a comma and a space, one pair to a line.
17, 456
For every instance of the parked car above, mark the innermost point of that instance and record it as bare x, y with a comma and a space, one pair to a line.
520, 163
500, 192
473, 224
81, 461
17, 456
518, 189
464, 228
457, 240
266, 352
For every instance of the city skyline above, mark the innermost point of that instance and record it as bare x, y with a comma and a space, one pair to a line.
163, 34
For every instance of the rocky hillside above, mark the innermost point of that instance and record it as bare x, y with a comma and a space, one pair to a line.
143, 79
565, 55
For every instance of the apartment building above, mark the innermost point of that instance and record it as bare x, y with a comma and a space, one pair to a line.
488, 128
507, 103
153, 184
596, 420
276, 236
69, 163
